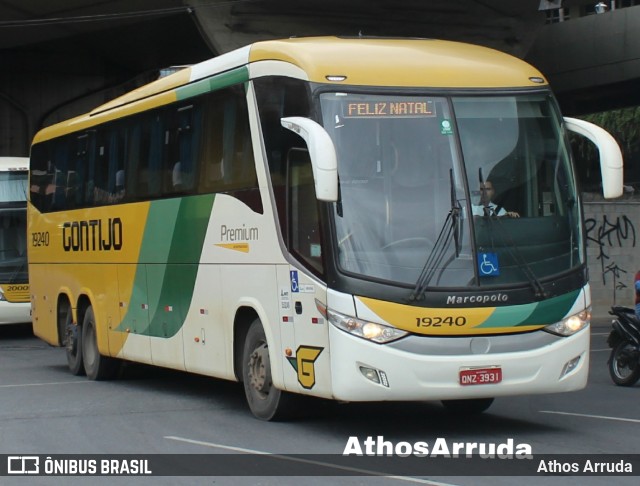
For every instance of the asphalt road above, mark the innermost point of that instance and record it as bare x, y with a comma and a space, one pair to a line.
44, 410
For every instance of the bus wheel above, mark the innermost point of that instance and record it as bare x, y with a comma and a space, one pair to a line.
467, 407
72, 341
98, 367
265, 401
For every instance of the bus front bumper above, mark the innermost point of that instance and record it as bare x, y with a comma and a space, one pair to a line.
560, 366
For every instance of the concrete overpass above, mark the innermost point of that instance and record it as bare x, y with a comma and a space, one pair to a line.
592, 60
62, 57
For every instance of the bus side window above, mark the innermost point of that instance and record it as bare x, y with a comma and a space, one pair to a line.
39, 177
304, 237
58, 168
137, 167
76, 195
159, 139
212, 172
225, 154
183, 174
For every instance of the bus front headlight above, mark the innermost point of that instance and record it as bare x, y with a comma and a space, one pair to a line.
2, 297
570, 325
371, 331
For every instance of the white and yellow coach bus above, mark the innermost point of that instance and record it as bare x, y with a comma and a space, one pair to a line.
15, 305
299, 215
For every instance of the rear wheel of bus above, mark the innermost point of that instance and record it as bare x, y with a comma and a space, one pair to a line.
265, 400
71, 339
97, 366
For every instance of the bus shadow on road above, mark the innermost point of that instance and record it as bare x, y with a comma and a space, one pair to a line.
413, 419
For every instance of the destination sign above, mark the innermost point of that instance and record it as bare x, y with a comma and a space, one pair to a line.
389, 109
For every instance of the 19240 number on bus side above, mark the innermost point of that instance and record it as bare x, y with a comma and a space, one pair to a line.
449, 321
40, 238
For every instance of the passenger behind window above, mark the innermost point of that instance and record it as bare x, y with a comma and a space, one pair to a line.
120, 187
176, 177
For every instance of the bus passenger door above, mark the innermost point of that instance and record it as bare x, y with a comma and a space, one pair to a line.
310, 354
134, 312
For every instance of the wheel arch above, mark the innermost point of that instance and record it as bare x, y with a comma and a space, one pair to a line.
63, 307
84, 302
245, 315
247, 312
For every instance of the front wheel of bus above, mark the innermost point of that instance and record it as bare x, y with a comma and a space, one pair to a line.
97, 366
265, 401
471, 406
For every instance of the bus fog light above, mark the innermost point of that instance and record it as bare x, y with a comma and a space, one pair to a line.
370, 374
371, 331
569, 366
377, 376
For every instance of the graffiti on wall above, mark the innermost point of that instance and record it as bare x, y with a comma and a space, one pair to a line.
605, 234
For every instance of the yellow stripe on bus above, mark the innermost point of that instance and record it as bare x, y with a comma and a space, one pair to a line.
433, 321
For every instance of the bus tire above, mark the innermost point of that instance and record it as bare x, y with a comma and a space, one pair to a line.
266, 402
470, 406
97, 366
72, 341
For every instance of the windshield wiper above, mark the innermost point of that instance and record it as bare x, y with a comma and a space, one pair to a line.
455, 213
450, 230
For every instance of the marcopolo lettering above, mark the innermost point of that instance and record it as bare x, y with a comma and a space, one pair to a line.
92, 235
476, 299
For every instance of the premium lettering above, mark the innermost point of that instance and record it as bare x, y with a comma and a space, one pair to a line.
238, 234
92, 235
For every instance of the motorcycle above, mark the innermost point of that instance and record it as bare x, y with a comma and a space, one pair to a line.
624, 341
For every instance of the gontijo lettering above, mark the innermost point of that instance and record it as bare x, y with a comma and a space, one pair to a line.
92, 235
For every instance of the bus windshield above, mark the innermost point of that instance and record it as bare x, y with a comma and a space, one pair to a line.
13, 227
412, 171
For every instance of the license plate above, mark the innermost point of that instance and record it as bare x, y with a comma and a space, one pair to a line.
480, 376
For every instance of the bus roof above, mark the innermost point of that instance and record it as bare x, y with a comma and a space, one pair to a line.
14, 163
362, 61
369, 61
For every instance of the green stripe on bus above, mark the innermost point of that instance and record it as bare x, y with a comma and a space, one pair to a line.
175, 290
168, 265
537, 313
235, 76
553, 310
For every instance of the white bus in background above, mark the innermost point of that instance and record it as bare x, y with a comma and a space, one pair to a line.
15, 307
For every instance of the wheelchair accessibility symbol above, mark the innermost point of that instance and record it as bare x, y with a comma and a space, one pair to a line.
488, 264
295, 287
